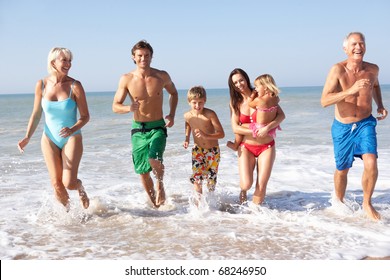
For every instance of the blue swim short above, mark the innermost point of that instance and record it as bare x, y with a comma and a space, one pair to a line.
353, 140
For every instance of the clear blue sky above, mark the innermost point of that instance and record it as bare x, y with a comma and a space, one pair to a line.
197, 42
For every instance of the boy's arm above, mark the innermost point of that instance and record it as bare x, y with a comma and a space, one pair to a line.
218, 129
187, 132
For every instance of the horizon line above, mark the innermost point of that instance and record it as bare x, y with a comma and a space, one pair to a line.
181, 89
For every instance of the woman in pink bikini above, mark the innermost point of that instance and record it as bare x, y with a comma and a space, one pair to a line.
256, 120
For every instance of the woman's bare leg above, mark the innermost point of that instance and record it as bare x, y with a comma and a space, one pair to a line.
71, 157
52, 156
265, 163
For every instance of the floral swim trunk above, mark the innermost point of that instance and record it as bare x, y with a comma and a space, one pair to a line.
205, 164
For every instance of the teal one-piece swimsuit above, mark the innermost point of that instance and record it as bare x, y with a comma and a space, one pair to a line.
59, 114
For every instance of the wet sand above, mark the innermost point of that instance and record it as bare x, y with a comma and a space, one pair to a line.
376, 258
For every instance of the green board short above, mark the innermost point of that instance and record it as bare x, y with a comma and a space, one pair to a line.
148, 140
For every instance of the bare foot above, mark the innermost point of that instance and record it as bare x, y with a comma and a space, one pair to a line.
243, 197
371, 212
63, 197
257, 200
152, 196
160, 196
232, 146
83, 197
211, 188
67, 206
197, 198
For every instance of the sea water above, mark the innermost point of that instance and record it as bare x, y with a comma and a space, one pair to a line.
298, 220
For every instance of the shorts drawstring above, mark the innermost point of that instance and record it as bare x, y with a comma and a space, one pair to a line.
354, 126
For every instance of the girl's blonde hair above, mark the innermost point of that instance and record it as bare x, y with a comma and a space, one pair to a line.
53, 54
267, 81
196, 92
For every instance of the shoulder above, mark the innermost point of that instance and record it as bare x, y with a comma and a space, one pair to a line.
76, 87
40, 83
187, 115
127, 76
209, 113
162, 74
339, 67
337, 70
158, 71
39, 86
371, 66
75, 84
125, 79
275, 99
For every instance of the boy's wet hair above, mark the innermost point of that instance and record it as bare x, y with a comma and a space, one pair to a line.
196, 92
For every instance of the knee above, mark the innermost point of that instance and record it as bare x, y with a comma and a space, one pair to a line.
156, 164
370, 162
146, 179
341, 173
145, 176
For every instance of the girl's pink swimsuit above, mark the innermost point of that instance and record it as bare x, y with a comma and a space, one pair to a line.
253, 122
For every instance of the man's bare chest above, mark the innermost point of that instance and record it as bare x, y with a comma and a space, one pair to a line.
145, 90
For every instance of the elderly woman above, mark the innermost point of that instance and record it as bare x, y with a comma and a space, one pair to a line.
59, 96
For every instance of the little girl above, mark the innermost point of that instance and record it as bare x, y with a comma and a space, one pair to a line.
265, 100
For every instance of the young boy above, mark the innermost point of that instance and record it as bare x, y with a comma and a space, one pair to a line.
206, 130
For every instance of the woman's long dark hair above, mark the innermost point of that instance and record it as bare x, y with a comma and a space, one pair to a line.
235, 96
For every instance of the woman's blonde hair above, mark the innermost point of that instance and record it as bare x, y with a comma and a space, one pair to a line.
267, 81
53, 54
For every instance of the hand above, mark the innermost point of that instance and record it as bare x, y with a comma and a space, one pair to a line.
65, 132
185, 144
360, 84
135, 105
23, 143
382, 114
170, 120
254, 94
198, 133
262, 132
